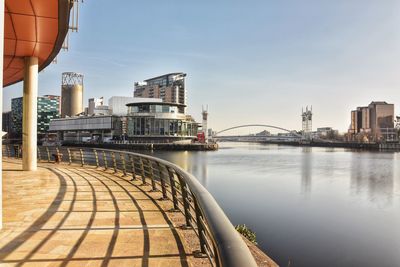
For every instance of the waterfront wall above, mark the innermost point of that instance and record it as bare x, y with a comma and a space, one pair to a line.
151, 146
350, 145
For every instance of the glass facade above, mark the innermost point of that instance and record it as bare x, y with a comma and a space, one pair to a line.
152, 108
150, 126
159, 120
48, 108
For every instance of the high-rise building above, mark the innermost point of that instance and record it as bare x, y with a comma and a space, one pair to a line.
16, 111
354, 128
364, 118
169, 87
71, 94
48, 108
381, 117
376, 119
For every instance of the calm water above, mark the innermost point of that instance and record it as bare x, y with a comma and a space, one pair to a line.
309, 206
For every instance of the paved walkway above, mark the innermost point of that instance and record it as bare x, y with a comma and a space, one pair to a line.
66, 215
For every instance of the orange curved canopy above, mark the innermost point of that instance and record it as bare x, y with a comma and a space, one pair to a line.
32, 28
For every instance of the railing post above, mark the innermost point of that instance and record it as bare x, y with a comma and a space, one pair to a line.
82, 159
48, 153
133, 167
185, 197
162, 180
39, 154
105, 160
96, 156
153, 183
58, 154
18, 152
69, 156
8, 151
114, 161
122, 157
142, 170
200, 227
173, 188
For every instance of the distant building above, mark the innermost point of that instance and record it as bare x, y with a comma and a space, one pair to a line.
263, 133
354, 128
327, 132
48, 108
381, 117
71, 94
87, 128
150, 120
117, 105
7, 123
306, 118
93, 103
376, 120
102, 110
169, 87
16, 111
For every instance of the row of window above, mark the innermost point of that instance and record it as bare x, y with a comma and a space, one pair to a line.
156, 127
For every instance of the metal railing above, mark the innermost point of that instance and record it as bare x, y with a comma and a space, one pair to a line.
218, 239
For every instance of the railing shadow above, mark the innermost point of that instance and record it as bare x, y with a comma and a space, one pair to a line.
20, 239
73, 174
146, 247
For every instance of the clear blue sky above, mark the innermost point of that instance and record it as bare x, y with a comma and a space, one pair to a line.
256, 61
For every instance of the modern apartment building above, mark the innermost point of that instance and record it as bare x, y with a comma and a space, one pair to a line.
48, 108
169, 87
376, 120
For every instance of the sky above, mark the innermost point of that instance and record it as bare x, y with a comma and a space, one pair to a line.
251, 62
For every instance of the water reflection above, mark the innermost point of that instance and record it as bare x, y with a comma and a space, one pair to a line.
193, 162
306, 170
352, 198
374, 173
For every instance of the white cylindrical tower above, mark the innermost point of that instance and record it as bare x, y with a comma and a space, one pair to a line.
71, 94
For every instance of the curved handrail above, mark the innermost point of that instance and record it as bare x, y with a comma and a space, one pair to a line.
232, 250
227, 247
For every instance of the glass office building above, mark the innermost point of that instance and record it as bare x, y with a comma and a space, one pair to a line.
48, 108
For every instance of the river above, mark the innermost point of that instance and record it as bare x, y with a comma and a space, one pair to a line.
308, 206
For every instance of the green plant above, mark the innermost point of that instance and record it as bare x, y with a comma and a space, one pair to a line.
246, 232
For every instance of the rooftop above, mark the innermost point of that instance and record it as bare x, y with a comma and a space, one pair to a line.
156, 103
379, 103
165, 75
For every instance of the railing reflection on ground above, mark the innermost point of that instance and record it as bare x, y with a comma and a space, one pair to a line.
218, 239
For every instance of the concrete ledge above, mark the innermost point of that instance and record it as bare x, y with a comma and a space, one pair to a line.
261, 258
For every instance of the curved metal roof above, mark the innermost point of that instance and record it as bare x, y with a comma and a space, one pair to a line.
155, 103
32, 28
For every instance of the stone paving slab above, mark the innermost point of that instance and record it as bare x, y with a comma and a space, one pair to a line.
66, 215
